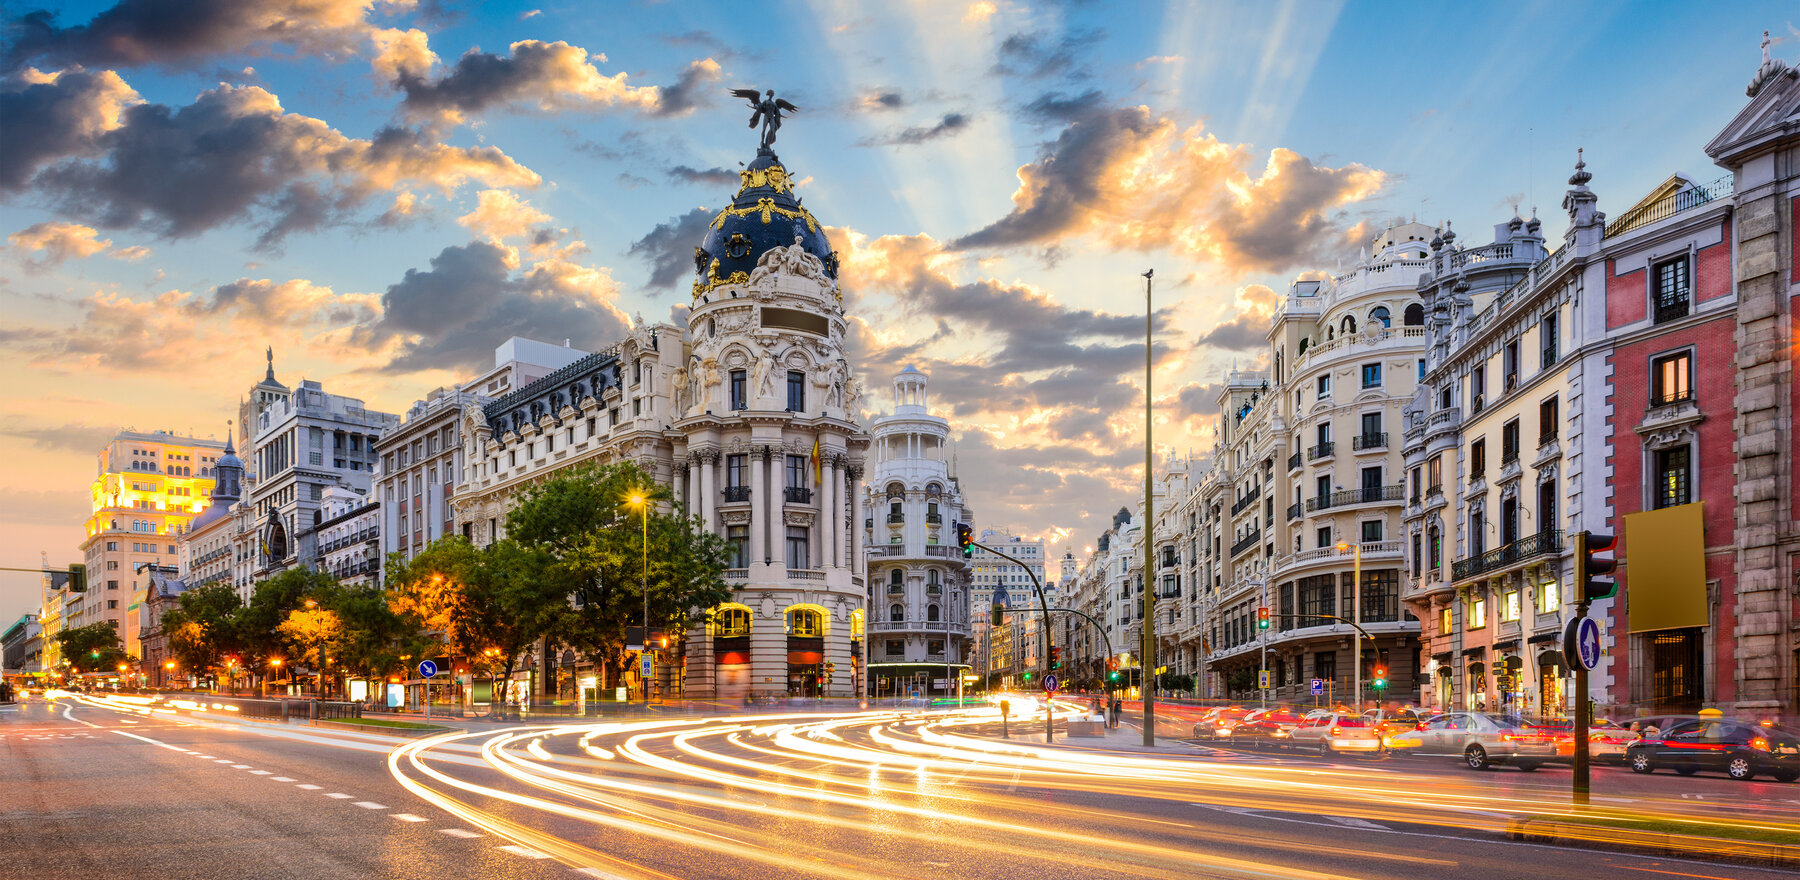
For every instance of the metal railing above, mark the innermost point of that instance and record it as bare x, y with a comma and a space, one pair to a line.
1246, 542
735, 494
1239, 505
1377, 440
1294, 462
1670, 205
1547, 541
797, 494
934, 519
1683, 396
1672, 311
896, 518
1364, 495
1322, 450
1294, 510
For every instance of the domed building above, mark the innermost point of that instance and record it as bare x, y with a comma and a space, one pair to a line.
750, 414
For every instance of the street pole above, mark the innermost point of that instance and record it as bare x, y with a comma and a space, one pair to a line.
1147, 658
1356, 615
643, 504
1262, 635
1583, 716
1043, 609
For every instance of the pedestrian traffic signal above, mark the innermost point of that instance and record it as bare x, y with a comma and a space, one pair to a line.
1262, 618
1593, 575
965, 538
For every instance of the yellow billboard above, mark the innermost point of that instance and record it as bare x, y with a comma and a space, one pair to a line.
1665, 568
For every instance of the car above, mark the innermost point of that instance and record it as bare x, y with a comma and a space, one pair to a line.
1739, 749
1389, 722
1267, 728
1481, 740
1217, 723
1652, 725
1607, 740
1328, 732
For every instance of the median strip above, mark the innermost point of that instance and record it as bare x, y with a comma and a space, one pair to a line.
1742, 842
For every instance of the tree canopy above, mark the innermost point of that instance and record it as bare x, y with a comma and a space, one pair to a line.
92, 648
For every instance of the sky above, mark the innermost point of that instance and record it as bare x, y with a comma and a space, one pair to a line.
384, 190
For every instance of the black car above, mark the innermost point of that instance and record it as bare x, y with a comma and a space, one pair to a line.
1739, 749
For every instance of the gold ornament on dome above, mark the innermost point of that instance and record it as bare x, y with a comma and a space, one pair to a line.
713, 280
774, 177
768, 209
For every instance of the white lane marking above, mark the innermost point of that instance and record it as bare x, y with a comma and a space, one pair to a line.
281, 779
603, 875
1356, 823
463, 833
68, 709
259, 773
309, 787
149, 740
222, 761
203, 757
408, 817
340, 795
526, 851
240, 766
370, 805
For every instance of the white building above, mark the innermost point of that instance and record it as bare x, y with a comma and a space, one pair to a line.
349, 537
750, 414
918, 579
997, 580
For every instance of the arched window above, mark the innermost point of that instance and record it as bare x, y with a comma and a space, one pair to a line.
1330, 333
896, 490
731, 621
1415, 315
1380, 313
931, 612
805, 622
856, 624
1348, 325
894, 577
896, 613
1303, 344
931, 576
933, 489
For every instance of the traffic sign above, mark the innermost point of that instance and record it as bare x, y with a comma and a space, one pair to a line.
427, 669
1318, 687
1050, 683
647, 664
1581, 642
1262, 679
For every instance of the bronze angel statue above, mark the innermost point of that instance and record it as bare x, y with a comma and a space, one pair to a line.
768, 111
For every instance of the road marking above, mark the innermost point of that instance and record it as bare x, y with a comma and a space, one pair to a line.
68, 709
463, 833
259, 773
281, 779
240, 766
221, 760
525, 851
1356, 823
596, 872
408, 817
148, 740
309, 787
340, 795
202, 757
369, 805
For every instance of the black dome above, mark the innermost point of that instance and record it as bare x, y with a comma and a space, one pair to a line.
764, 214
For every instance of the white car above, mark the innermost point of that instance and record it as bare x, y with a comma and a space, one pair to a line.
1481, 740
1329, 732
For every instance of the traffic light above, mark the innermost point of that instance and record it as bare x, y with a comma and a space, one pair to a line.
1262, 618
965, 538
1028, 676
1055, 656
999, 614
1592, 575
77, 578
1113, 675
1380, 678
1112, 663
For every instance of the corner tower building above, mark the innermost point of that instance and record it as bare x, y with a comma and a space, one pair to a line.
751, 414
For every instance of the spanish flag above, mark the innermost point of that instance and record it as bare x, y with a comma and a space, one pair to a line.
818, 464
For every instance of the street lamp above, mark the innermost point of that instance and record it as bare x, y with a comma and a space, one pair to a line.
275, 664
643, 504
1355, 613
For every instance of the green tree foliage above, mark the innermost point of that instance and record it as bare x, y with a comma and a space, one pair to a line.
203, 627
602, 548
271, 603
371, 634
92, 648
487, 605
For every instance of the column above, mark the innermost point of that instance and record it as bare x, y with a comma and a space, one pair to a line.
772, 497
709, 496
854, 560
828, 510
758, 519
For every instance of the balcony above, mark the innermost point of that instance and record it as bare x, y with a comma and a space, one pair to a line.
1670, 205
1672, 398
895, 519
1238, 505
1547, 438
1246, 542
1294, 510
942, 551
934, 519
1671, 310
880, 551
1377, 440
1294, 462
797, 495
1548, 541
1322, 450
1364, 495
736, 494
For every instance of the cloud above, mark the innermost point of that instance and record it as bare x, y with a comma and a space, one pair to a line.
232, 156
1137, 181
452, 315
58, 242
132, 254
35, 507
74, 437
881, 100
1249, 328
979, 12
540, 76
158, 32
401, 53
1063, 108
669, 248
951, 124
501, 214
716, 176
1038, 56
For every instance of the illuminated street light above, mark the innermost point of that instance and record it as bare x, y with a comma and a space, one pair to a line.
638, 500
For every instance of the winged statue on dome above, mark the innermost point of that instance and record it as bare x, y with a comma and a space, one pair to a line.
768, 111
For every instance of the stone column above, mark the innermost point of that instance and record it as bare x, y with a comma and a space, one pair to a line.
854, 549
759, 519
828, 516
709, 494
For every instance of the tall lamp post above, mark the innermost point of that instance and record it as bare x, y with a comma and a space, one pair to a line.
1355, 614
1147, 662
643, 504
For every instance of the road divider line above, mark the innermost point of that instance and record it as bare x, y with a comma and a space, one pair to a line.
259, 773
149, 740
340, 795
309, 787
525, 851
408, 817
281, 779
463, 833
369, 805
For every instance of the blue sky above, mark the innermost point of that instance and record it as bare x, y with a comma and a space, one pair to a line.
996, 174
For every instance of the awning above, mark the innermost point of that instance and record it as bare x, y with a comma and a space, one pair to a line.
1508, 645
1476, 651
1544, 639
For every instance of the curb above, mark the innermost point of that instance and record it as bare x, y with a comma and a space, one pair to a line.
1657, 842
376, 729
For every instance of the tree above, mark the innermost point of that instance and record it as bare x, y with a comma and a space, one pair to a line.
94, 647
308, 630
204, 626
371, 636
271, 602
607, 554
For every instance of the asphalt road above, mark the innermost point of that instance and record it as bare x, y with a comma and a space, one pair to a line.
90, 792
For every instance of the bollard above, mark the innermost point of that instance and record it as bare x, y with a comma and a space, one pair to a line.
284, 711
312, 711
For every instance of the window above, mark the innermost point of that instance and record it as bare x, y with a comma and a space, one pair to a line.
1511, 361
935, 647
1477, 532
1371, 531
740, 397
797, 553
1672, 290
1418, 483
1421, 377
738, 537
932, 613
896, 613
1509, 606
1673, 477
1434, 474
1325, 386
1478, 459
1380, 313
1549, 597
895, 648
1446, 621
796, 472
796, 391
1371, 375
112, 585
1323, 535
1418, 561
112, 603
1547, 337
733, 622
1671, 379
1509, 443
805, 622
1477, 616
1435, 544
1547, 421
1477, 387
1348, 324
112, 545
734, 470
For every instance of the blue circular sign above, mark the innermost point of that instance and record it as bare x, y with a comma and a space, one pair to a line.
1050, 683
427, 669
1587, 642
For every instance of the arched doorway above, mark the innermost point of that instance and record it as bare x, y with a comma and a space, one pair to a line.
1510, 682
1475, 687
807, 626
731, 651
1445, 683
1552, 676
